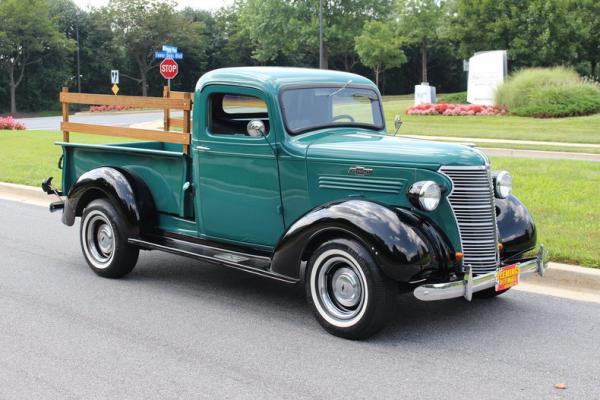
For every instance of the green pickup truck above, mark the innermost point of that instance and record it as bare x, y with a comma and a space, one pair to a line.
292, 176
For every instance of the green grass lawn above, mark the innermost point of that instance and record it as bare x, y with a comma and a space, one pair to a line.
576, 129
563, 196
27, 157
564, 199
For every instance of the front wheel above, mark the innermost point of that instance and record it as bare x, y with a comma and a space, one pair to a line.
103, 235
347, 291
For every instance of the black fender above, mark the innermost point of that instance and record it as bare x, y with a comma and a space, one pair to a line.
516, 228
403, 244
125, 190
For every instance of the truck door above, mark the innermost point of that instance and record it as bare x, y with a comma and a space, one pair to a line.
238, 197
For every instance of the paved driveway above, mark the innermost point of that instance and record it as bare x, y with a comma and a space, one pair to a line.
116, 119
180, 329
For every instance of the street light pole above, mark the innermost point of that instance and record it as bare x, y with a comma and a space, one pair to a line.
321, 49
78, 64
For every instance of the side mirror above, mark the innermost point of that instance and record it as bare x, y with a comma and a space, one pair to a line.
397, 123
256, 128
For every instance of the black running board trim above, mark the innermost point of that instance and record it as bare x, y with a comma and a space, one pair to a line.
245, 262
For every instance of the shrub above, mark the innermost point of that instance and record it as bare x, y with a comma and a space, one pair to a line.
11, 123
455, 98
454, 109
109, 108
549, 93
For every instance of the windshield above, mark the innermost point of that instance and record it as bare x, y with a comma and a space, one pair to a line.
317, 107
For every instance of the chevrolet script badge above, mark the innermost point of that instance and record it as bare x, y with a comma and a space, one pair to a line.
360, 171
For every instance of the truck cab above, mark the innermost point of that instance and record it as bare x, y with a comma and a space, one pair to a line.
292, 175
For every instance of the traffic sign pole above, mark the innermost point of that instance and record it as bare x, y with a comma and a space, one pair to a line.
168, 67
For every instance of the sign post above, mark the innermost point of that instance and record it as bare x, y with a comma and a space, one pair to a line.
169, 69
168, 66
114, 80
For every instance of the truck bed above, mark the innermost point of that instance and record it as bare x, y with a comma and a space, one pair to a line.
163, 166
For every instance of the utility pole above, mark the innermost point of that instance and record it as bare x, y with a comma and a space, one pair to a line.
321, 49
78, 63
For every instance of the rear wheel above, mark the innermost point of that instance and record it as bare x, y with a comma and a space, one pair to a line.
349, 294
103, 236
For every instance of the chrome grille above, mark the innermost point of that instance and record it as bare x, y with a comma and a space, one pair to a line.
472, 200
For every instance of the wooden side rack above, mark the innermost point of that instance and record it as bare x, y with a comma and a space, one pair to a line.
170, 101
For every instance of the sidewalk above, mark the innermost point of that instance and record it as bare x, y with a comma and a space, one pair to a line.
504, 152
561, 280
541, 154
511, 141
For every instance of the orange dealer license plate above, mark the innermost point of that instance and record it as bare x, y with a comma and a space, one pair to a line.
507, 277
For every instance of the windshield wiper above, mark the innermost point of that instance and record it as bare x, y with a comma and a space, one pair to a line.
342, 88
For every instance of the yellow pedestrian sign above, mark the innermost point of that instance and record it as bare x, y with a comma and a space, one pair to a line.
115, 88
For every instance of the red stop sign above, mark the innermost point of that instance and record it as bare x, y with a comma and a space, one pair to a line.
169, 68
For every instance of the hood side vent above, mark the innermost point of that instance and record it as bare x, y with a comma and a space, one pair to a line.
361, 184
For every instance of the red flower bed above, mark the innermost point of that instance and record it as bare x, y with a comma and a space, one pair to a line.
109, 108
455, 109
11, 123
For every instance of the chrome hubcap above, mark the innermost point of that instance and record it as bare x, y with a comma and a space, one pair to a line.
346, 287
339, 288
98, 239
105, 242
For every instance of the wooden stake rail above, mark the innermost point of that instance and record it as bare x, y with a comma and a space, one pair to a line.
170, 122
175, 100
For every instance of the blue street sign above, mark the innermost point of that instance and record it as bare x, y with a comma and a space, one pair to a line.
169, 49
166, 54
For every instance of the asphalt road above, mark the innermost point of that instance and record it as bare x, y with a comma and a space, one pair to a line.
113, 119
179, 329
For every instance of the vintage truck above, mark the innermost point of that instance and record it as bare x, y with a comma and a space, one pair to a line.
290, 174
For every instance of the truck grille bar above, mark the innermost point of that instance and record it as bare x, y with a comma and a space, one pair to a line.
472, 201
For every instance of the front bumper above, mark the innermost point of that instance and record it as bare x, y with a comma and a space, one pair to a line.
472, 284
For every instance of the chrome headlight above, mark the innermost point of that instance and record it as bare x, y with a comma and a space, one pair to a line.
502, 184
425, 194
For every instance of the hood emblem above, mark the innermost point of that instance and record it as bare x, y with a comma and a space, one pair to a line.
360, 171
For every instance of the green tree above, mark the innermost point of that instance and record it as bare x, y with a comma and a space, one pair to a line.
422, 22
586, 16
27, 35
141, 27
535, 32
486, 24
291, 28
379, 47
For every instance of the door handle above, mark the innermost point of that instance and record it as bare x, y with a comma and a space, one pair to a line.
202, 148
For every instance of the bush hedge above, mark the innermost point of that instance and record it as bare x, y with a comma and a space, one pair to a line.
549, 93
454, 98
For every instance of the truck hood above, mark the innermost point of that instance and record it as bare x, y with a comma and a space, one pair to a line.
376, 148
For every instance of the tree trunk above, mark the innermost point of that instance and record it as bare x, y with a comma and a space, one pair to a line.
13, 99
376, 70
13, 89
144, 79
594, 65
424, 61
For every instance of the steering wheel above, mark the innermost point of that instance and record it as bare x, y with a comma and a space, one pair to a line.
337, 117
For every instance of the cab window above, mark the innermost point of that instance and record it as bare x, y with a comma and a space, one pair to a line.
229, 113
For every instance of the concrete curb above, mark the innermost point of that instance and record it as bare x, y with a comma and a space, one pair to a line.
562, 276
569, 276
25, 194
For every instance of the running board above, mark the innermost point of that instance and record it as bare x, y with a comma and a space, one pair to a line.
254, 264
